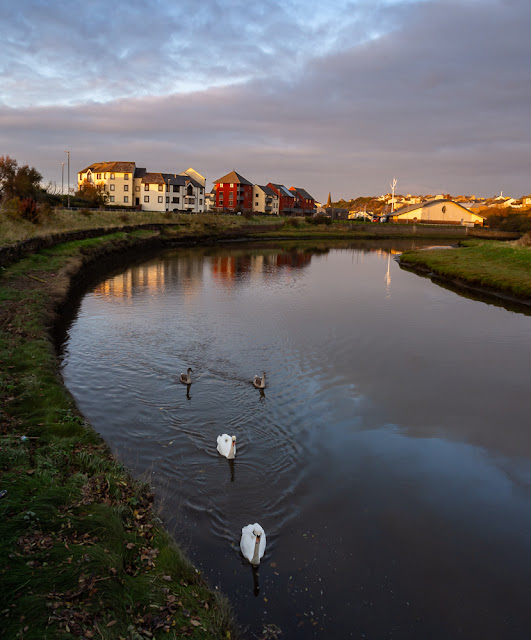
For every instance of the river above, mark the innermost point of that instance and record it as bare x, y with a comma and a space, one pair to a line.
388, 459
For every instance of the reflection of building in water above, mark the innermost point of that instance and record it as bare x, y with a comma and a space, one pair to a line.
154, 277
294, 259
228, 269
122, 286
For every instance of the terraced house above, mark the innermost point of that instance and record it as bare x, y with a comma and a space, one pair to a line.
127, 185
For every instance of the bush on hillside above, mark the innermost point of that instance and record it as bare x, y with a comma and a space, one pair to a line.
320, 219
509, 221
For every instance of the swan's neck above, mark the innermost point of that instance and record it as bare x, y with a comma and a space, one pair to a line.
256, 554
231, 452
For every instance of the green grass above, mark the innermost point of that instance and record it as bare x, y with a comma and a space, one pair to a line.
83, 553
16, 229
504, 267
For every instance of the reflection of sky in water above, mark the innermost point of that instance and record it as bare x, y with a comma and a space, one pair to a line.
389, 457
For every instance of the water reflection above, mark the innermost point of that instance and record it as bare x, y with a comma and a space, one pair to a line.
390, 464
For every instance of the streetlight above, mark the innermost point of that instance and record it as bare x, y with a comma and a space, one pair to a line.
62, 183
68, 152
168, 196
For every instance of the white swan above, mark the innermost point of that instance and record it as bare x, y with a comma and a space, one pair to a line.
227, 446
253, 543
185, 377
259, 382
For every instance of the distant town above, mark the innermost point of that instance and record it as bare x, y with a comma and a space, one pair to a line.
124, 184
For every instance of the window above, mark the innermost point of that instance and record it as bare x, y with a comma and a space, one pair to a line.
112, 176
176, 188
161, 187
137, 188
160, 198
98, 176
111, 199
146, 187
126, 176
126, 187
126, 198
146, 198
111, 187
231, 185
200, 200
175, 200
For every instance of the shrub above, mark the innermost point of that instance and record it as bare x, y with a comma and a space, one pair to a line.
293, 222
509, 222
124, 217
11, 208
248, 215
86, 213
320, 219
29, 210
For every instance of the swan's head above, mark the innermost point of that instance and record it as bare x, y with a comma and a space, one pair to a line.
190, 370
233, 439
257, 531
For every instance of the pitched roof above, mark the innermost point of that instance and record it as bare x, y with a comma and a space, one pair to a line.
282, 190
233, 178
267, 190
152, 178
180, 179
114, 166
302, 193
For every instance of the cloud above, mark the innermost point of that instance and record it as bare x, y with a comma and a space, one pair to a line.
434, 92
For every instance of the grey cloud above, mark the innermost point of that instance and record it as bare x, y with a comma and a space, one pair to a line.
440, 99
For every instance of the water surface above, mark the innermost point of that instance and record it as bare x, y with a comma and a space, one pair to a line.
388, 460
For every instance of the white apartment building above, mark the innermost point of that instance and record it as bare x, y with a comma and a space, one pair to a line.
130, 186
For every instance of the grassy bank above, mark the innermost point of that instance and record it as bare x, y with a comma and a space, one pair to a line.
17, 229
500, 267
83, 552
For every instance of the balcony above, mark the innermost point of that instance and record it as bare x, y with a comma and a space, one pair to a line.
190, 201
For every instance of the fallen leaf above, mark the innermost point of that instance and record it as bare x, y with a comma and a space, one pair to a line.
111, 623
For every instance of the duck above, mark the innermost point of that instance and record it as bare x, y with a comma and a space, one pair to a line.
253, 543
259, 382
227, 446
185, 377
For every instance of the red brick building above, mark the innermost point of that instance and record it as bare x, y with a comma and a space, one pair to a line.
286, 199
233, 193
303, 201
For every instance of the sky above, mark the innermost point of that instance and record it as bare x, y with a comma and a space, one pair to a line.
335, 97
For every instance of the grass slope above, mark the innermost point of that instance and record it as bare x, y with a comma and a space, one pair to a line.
504, 267
83, 553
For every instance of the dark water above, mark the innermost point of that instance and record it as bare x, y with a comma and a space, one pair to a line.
389, 459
